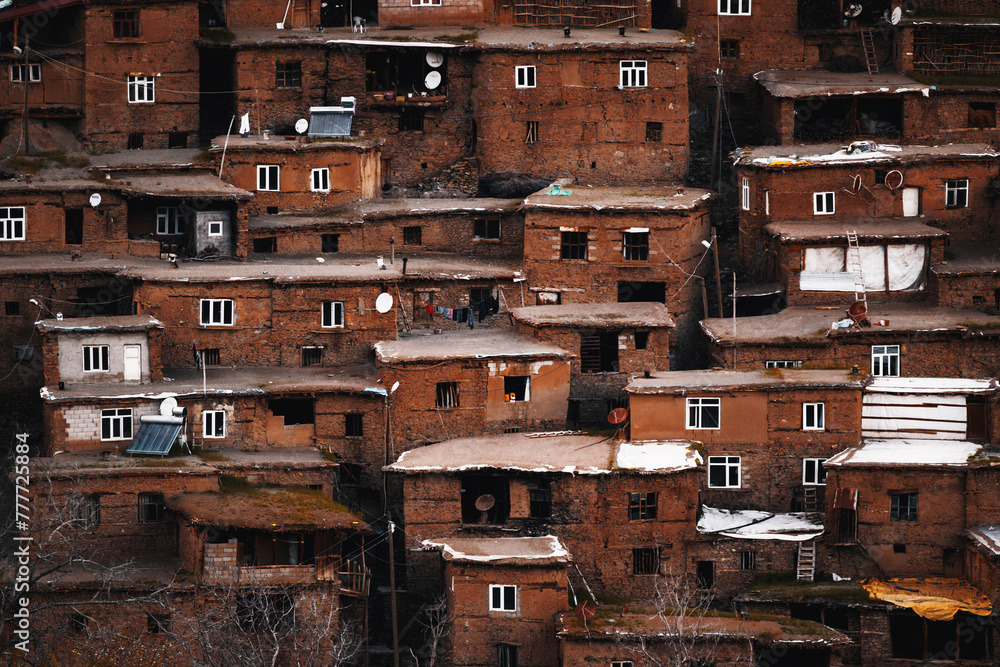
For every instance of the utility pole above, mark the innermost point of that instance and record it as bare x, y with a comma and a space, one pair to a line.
392, 593
25, 77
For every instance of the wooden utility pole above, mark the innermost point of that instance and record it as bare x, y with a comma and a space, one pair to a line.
392, 593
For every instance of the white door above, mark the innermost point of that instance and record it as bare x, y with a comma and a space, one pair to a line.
133, 362
911, 202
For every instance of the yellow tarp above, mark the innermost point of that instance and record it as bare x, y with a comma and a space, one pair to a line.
934, 598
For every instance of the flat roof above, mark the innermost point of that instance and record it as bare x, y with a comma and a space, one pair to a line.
256, 143
898, 452
273, 510
180, 185
104, 323
797, 156
464, 344
969, 260
679, 382
897, 228
614, 199
542, 550
153, 157
912, 385
383, 208
757, 525
595, 315
71, 464
821, 83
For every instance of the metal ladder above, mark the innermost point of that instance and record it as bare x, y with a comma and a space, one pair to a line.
868, 43
854, 266
806, 569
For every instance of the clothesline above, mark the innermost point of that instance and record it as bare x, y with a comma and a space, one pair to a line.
468, 314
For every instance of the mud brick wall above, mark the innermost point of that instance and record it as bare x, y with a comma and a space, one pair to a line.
726, 555
957, 122
104, 228
964, 290
271, 107
250, 14
397, 13
77, 427
417, 291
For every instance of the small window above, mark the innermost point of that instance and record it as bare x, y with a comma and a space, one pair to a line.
956, 193
704, 576
885, 360
573, 245
548, 298
96, 358
724, 472
783, 363
524, 76
898, 548
141, 89
78, 624
288, 74
217, 312
735, 7
622, 663
169, 222
268, 177
425, 3
503, 597
745, 194
135, 140
151, 507
632, 73
486, 228
540, 501
157, 623
213, 423
265, 244
411, 119
413, 235
354, 425
12, 308
813, 472
34, 71
813, 417
517, 388
635, 246
211, 356
599, 352
506, 653
654, 132
447, 395
330, 243
748, 560
85, 510
903, 506
125, 24
531, 132
641, 340
333, 314
12, 223
320, 180
729, 48
824, 203
116, 424
646, 560
177, 139
982, 114
703, 413
642, 506
312, 355
215, 227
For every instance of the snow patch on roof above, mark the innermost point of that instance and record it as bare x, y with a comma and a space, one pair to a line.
499, 549
907, 452
891, 385
657, 455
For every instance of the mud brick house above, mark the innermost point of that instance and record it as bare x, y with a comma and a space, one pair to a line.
504, 594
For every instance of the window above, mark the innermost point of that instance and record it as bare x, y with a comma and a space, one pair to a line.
330, 243
354, 425
168, 221
703, 413
412, 235
217, 312
12, 308
77, 624
540, 501
632, 73
447, 395
745, 194
736, 7
135, 140
411, 119
813, 417
622, 663
885, 360
34, 73
531, 132
813, 472
96, 358
151, 506
748, 560
635, 246
211, 356
215, 227
517, 388
782, 363
956, 193
213, 423
125, 24
86, 510
333, 314
506, 653
524, 76
646, 560
503, 597
116, 424
573, 245
724, 472
141, 89
823, 203
486, 228
320, 180
704, 576
599, 352
265, 244
157, 623
288, 74
12, 223
268, 177
424, 3
982, 114
642, 506
729, 48
963, 639
312, 355
177, 139
654, 132
641, 340
903, 506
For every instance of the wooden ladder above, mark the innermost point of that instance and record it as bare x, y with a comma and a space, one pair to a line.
809, 498
854, 266
806, 570
868, 43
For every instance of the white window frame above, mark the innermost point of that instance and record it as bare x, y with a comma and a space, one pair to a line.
268, 180
319, 179
332, 315
498, 592
633, 73
622, 663
96, 358
525, 76
885, 360
34, 73
12, 225
425, 3
953, 188
767, 202
824, 203
141, 89
813, 472
211, 420
120, 418
745, 194
215, 228
168, 221
813, 417
729, 463
220, 317
734, 7
694, 409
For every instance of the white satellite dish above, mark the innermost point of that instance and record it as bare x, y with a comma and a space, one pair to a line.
897, 14
383, 303
95, 199
167, 406
432, 80
435, 58
301, 125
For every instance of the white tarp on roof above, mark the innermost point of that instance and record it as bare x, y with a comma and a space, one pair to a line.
827, 260
906, 267
657, 456
900, 452
873, 267
903, 385
925, 416
757, 525
826, 269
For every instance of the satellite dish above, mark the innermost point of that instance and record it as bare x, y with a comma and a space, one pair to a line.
395, 386
856, 185
618, 416
432, 80
95, 199
383, 303
894, 179
485, 502
301, 125
858, 312
167, 407
586, 610
435, 58
897, 14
